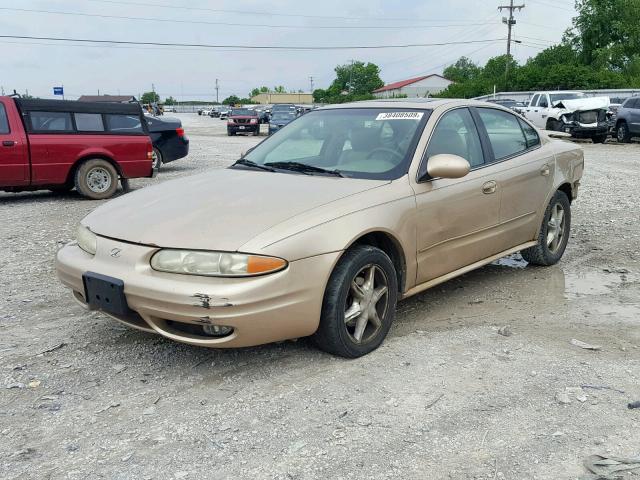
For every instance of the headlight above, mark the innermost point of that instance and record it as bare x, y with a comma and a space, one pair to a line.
215, 264
87, 240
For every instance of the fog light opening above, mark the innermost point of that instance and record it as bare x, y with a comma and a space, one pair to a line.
217, 330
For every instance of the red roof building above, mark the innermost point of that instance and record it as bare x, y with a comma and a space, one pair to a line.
424, 86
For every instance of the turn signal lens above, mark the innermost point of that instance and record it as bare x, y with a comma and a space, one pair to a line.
215, 264
258, 265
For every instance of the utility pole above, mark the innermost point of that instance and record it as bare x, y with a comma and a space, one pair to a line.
2, 90
217, 91
153, 89
311, 82
510, 21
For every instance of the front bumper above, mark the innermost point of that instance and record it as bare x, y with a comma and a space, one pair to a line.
579, 130
269, 308
247, 128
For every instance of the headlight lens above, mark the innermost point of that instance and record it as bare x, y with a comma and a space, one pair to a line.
215, 264
87, 240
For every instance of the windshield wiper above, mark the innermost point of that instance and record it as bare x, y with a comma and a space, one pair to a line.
303, 168
250, 164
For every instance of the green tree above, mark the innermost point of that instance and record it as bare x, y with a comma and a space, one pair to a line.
606, 33
257, 91
462, 71
150, 97
170, 101
232, 100
354, 81
279, 89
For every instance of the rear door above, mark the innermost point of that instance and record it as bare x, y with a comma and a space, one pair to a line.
634, 116
525, 175
14, 150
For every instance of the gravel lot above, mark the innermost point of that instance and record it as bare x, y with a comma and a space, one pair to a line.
446, 396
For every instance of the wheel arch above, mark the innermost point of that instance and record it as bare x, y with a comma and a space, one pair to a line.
390, 245
568, 191
101, 156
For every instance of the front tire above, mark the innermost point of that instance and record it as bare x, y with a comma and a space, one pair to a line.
359, 303
599, 138
554, 125
554, 233
96, 179
622, 133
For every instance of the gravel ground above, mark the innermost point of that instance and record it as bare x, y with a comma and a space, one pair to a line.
446, 396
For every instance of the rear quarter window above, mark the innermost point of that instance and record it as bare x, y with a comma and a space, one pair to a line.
505, 133
51, 121
124, 123
4, 121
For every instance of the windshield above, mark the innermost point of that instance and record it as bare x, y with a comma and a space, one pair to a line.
243, 112
370, 143
557, 97
282, 117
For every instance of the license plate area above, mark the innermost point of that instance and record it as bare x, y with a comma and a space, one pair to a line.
105, 293
241, 127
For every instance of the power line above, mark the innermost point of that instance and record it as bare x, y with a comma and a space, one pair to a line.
229, 24
244, 47
248, 12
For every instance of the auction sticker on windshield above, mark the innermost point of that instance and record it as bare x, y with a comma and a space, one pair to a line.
400, 116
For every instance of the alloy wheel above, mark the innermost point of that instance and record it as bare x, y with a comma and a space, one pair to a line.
366, 304
555, 228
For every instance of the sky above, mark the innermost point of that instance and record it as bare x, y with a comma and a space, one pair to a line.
186, 73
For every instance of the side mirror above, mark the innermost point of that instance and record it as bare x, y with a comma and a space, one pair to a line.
447, 166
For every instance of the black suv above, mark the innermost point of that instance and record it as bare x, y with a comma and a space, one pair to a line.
628, 120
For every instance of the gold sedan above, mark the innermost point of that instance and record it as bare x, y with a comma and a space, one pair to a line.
321, 229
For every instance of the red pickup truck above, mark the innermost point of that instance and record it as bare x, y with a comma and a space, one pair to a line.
58, 145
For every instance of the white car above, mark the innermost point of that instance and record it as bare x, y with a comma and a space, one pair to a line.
570, 112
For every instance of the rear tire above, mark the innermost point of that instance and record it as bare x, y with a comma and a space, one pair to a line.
96, 179
157, 161
622, 133
359, 303
554, 233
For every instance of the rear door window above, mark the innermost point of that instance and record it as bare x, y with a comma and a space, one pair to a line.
505, 134
4, 121
124, 124
51, 121
89, 122
530, 134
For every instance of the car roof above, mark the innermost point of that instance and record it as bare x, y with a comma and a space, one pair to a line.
416, 103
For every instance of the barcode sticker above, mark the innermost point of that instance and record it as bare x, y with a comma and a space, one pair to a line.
400, 116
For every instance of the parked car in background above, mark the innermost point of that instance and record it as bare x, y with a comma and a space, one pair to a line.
206, 112
215, 112
517, 107
570, 112
320, 229
284, 107
243, 120
224, 112
279, 119
628, 120
58, 145
169, 140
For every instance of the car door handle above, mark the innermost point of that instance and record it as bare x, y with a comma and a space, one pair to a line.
489, 187
8, 143
545, 171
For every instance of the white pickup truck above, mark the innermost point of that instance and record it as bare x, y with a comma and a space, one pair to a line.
570, 112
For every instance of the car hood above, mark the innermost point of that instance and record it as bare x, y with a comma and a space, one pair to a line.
219, 210
582, 104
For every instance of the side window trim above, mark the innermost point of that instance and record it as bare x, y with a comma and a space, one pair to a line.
487, 148
424, 159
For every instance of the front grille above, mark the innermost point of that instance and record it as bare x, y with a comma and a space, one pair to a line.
588, 117
242, 120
